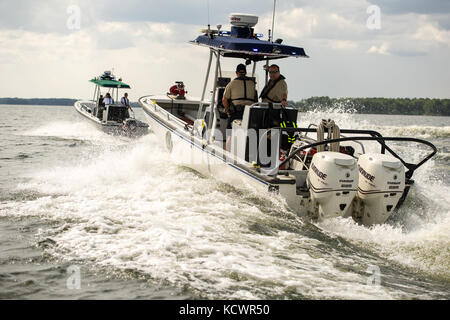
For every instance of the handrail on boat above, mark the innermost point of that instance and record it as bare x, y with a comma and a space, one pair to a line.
169, 115
375, 136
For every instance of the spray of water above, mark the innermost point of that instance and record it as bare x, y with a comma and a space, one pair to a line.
130, 208
419, 235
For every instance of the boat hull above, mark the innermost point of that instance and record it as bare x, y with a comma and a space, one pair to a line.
209, 160
188, 149
84, 108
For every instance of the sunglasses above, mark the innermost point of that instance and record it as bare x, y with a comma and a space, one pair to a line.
274, 71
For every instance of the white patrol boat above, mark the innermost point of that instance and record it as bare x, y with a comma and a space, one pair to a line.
112, 118
321, 171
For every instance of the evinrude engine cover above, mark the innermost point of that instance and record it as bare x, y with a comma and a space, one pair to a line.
332, 180
381, 184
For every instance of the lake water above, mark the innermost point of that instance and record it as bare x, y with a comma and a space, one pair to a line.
85, 215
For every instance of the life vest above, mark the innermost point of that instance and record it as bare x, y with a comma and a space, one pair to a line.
289, 124
264, 94
125, 101
244, 80
286, 122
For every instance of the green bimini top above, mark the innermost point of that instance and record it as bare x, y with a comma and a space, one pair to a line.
110, 83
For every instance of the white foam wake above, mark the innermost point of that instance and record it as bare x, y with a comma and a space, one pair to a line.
73, 130
133, 209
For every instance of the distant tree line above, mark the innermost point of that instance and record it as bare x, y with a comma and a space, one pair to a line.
410, 106
38, 101
407, 106
44, 101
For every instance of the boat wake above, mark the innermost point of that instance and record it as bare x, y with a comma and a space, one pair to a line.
418, 236
82, 131
422, 132
345, 118
130, 208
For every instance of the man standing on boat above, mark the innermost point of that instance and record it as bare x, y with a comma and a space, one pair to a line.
124, 101
238, 93
98, 109
276, 89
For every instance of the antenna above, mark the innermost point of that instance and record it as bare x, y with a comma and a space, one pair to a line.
273, 18
209, 27
266, 67
207, 5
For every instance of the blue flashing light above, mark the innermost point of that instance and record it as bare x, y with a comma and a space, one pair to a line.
259, 35
255, 50
293, 52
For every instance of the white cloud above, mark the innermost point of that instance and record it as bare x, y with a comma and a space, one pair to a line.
59, 65
344, 44
428, 32
344, 28
300, 23
382, 49
150, 51
293, 23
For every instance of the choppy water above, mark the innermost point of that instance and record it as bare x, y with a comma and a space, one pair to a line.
138, 226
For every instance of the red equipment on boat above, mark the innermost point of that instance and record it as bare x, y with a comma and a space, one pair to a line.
178, 90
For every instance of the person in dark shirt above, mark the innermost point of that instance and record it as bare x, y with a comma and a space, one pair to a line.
100, 107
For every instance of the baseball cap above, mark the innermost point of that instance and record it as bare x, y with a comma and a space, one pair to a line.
241, 68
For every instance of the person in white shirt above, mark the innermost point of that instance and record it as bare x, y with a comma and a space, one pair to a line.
107, 100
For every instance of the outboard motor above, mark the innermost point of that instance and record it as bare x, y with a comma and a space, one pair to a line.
332, 180
380, 187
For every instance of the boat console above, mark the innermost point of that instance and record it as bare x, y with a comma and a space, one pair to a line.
116, 113
252, 132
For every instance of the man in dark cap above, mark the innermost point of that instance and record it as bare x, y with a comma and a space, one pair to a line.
238, 93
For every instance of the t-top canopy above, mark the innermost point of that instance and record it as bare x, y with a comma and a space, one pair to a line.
249, 48
110, 83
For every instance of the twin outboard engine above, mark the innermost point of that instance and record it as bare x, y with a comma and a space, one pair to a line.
332, 180
368, 189
381, 185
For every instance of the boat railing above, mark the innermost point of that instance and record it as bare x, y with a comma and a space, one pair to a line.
276, 105
372, 136
342, 136
170, 117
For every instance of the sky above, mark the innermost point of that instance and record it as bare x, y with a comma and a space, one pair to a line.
357, 48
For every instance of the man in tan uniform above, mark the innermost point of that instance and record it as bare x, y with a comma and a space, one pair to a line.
238, 93
276, 89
